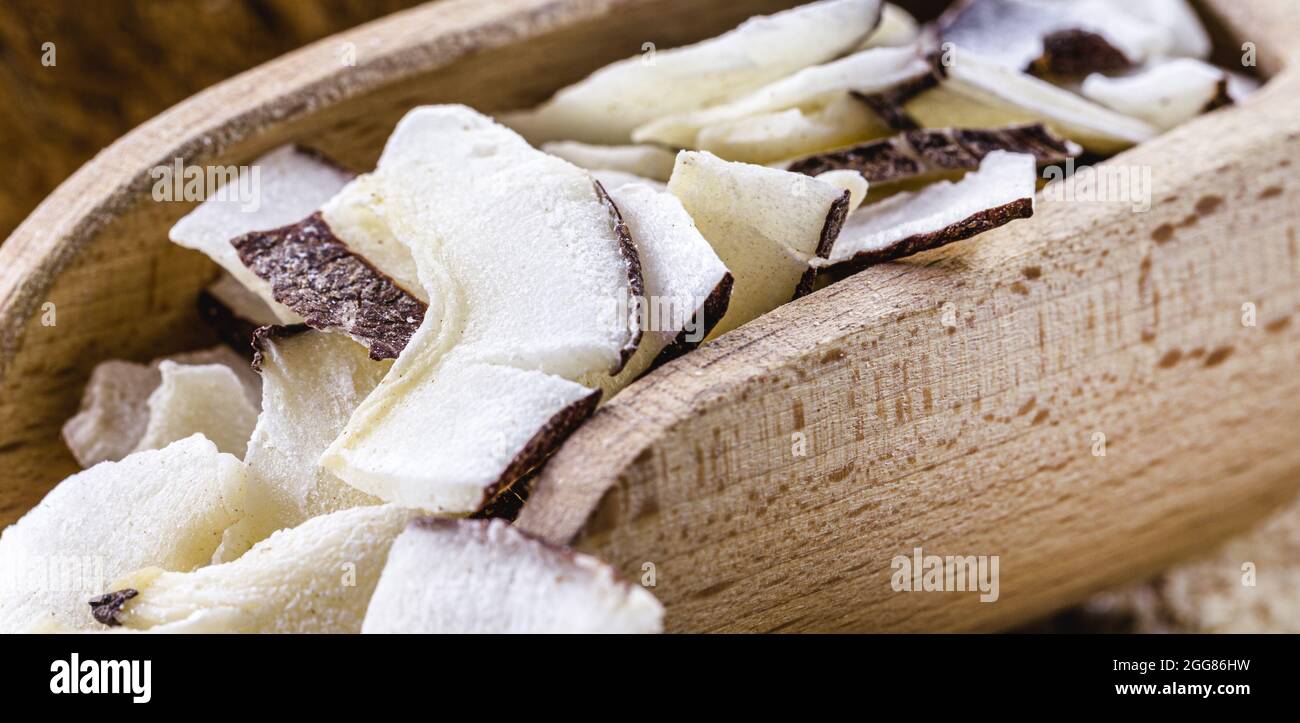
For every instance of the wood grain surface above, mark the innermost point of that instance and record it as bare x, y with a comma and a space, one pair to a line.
950, 402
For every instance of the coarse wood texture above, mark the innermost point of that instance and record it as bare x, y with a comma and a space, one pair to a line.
951, 401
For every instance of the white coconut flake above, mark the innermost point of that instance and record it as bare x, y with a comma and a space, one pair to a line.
1164, 95
765, 224
484, 576
312, 382
526, 279
609, 104
314, 578
768, 137
164, 508
867, 72
1003, 179
681, 274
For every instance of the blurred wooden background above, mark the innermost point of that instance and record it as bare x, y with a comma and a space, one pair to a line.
118, 63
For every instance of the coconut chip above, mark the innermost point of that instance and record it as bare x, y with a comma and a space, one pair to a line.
610, 103
484, 576
1001, 190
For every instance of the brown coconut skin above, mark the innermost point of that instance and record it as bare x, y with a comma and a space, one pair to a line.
314, 273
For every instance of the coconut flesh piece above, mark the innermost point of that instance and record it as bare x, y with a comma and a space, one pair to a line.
484, 576
164, 508
606, 106
292, 183
314, 578
687, 287
765, 224
1164, 95
205, 399
932, 153
519, 308
793, 132
314, 273
897, 27
114, 411
312, 381
1063, 37
646, 161
1001, 190
865, 72
977, 93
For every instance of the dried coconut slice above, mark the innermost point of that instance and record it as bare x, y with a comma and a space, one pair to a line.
609, 104
164, 508
1070, 37
897, 28
314, 578
314, 273
292, 183
646, 161
206, 399
484, 576
793, 132
980, 93
521, 304
865, 72
1001, 190
115, 404
312, 381
1164, 95
936, 152
687, 287
765, 224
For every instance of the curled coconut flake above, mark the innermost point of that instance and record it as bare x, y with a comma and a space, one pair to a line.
765, 224
520, 308
1164, 95
313, 578
865, 72
1001, 191
164, 508
613, 101
793, 132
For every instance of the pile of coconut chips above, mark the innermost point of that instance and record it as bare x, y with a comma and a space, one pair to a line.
418, 353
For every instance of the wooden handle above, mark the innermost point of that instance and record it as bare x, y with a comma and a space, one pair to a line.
1076, 394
